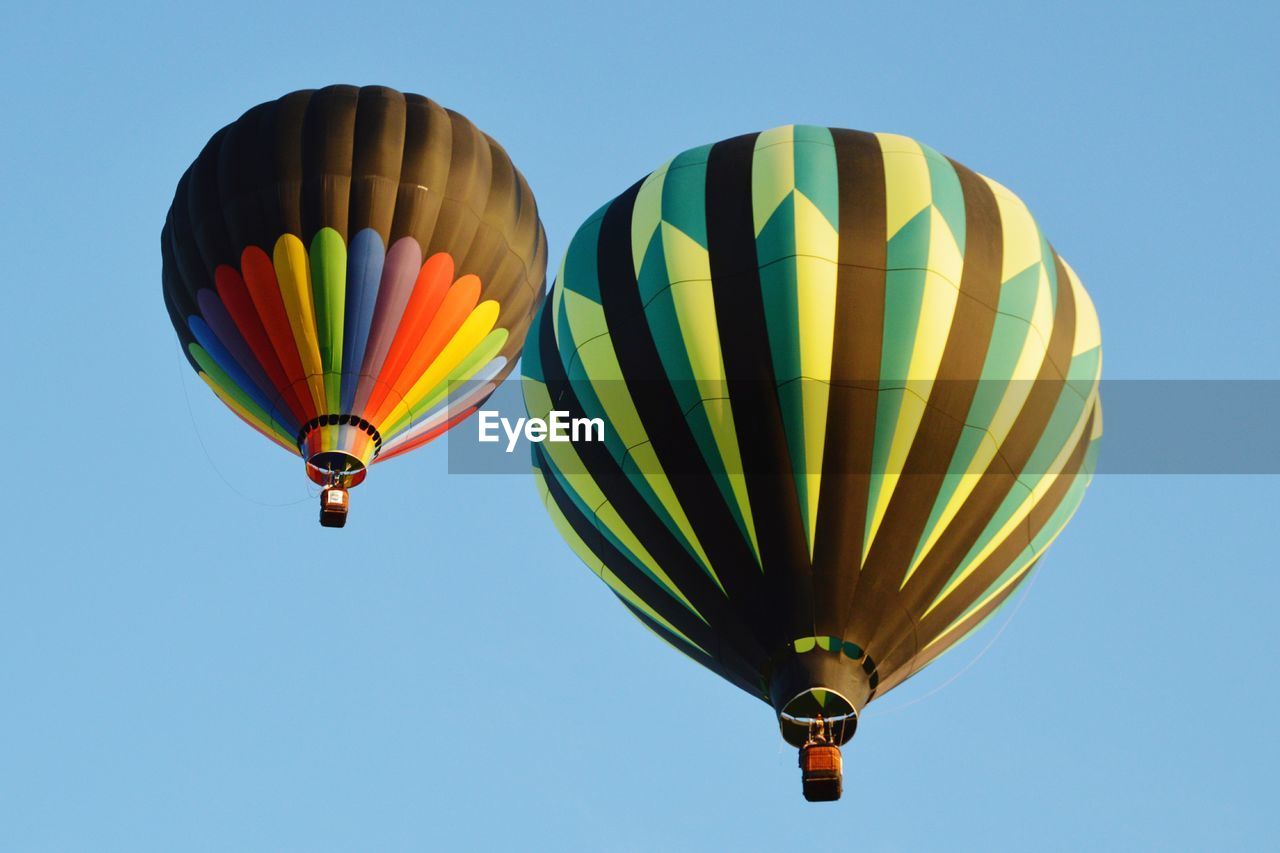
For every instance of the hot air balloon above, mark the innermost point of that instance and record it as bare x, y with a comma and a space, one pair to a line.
850, 395
352, 271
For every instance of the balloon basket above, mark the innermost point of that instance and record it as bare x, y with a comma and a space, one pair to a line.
822, 772
334, 504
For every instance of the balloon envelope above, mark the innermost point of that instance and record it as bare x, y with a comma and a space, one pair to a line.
850, 395
352, 270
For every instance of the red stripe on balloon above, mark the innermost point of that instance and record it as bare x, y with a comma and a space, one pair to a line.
428, 293
260, 279
239, 304
458, 304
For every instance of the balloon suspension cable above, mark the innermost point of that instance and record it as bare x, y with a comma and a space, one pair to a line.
195, 429
819, 731
1026, 593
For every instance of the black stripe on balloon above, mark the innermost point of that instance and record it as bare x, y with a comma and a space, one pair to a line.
631, 575
423, 169
922, 660
1059, 356
468, 178
1001, 475
596, 460
175, 285
245, 171
665, 633
285, 151
980, 581
855, 378
901, 667
328, 132
377, 153
490, 256
201, 240
664, 421
746, 682
178, 312
498, 217
1037, 411
189, 253
752, 387
942, 424
974, 587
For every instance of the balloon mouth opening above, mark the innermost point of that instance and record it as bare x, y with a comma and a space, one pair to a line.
803, 711
336, 468
818, 683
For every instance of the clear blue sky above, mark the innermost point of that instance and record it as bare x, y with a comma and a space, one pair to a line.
188, 662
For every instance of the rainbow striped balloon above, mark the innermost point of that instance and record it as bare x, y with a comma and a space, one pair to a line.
352, 271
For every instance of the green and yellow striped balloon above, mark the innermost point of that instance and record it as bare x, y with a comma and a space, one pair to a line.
850, 395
